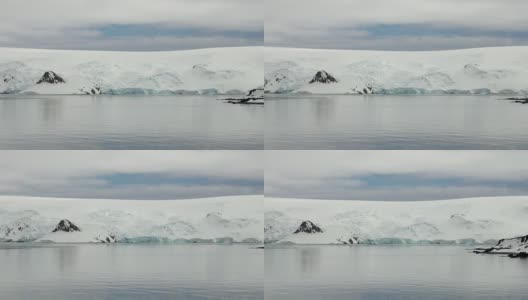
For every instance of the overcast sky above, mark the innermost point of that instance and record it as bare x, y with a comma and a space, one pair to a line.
130, 24
140, 25
131, 174
396, 24
395, 175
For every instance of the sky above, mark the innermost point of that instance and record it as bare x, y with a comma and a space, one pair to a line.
131, 174
132, 25
156, 25
395, 24
395, 175
322, 174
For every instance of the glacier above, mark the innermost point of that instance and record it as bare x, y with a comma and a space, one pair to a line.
231, 70
235, 219
494, 70
466, 221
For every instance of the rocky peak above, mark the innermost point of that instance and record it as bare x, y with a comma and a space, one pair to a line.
308, 227
50, 77
323, 77
66, 226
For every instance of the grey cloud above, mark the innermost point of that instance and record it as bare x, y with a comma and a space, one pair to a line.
341, 24
417, 193
73, 24
338, 174
81, 173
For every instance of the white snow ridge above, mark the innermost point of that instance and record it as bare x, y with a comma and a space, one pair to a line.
458, 221
232, 70
235, 219
501, 70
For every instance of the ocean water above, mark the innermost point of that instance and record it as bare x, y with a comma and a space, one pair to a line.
391, 272
132, 272
394, 122
98, 271
128, 122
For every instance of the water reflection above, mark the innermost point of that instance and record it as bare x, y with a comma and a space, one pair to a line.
391, 272
309, 259
394, 122
323, 110
50, 109
128, 122
130, 272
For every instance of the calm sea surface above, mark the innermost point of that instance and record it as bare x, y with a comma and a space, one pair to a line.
132, 272
88, 271
391, 272
395, 122
128, 122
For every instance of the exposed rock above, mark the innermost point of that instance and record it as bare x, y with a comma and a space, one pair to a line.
254, 95
518, 255
8, 78
522, 100
95, 90
107, 239
323, 77
348, 241
50, 77
66, 226
514, 247
257, 93
363, 91
308, 227
21, 230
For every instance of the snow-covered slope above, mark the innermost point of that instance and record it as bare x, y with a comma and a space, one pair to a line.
471, 220
205, 71
476, 71
220, 220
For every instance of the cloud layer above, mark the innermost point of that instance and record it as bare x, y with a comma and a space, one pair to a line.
184, 24
395, 175
110, 174
406, 24
82, 24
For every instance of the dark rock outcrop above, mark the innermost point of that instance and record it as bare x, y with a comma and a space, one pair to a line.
95, 90
348, 241
66, 226
308, 227
514, 247
523, 100
50, 77
363, 91
107, 239
323, 77
518, 255
8, 78
253, 95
